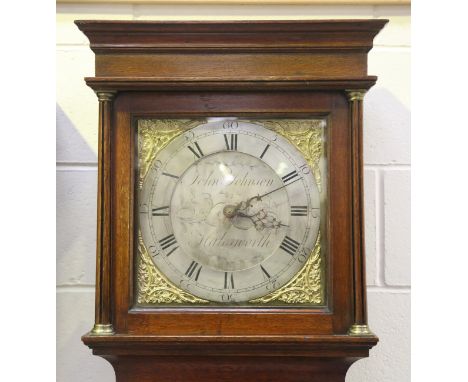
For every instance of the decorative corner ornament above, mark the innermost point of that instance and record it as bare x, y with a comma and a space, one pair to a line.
154, 135
305, 288
306, 136
153, 287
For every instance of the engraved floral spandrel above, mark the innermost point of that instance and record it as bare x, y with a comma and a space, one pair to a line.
153, 287
308, 137
154, 135
305, 288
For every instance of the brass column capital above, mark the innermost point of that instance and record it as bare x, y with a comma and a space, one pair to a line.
105, 95
356, 94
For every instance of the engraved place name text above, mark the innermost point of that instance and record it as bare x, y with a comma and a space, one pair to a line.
228, 242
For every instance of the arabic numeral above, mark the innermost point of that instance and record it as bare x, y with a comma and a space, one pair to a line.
272, 285
189, 135
143, 208
156, 166
230, 124
153, 251
226, 297
305, 169
303, 255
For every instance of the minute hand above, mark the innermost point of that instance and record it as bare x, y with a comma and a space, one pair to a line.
276, 189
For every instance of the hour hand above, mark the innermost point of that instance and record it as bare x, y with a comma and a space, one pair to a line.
263, 219
231, 210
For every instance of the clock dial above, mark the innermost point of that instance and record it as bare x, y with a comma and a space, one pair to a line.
231, 211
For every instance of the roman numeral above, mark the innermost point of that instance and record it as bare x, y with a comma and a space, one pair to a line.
289, 245
265, 272
264, 151
192, 268
198, 273
144, 208
228, 280
290, 176
233, 139
160, 211
172, 176
196, 151
168, 241
172, 250
299, 210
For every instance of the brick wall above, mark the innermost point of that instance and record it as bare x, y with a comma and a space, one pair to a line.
387, 180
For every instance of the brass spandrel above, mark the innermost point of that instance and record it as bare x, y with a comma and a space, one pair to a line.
154, 135
306, 135
153, 287
304, 288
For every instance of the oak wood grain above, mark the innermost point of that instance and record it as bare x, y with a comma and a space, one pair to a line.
257, 69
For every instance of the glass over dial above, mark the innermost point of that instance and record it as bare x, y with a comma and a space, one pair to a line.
229, 211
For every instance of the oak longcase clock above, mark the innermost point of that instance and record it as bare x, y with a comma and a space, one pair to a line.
230, 243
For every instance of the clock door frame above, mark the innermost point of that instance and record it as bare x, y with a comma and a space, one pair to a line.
334, 318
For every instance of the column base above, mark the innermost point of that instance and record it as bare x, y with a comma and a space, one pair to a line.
102, 330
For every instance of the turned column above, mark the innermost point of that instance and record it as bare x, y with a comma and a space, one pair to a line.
103, 324
360, 327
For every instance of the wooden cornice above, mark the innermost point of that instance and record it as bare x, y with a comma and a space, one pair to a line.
230, 36
219, 84
231, 55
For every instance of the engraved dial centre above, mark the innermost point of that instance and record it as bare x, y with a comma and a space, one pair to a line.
218, 216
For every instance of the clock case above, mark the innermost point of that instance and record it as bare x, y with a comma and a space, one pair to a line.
258, 69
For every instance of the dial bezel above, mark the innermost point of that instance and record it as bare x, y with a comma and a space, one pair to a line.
254, 130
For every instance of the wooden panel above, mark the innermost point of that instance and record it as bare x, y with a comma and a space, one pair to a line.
198, 321
232, 66
122, 205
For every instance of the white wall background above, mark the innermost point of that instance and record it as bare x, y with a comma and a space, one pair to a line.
387, 179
